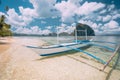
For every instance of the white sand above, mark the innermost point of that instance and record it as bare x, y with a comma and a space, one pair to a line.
22, 63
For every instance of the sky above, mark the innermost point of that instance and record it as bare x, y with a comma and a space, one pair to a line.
46, 16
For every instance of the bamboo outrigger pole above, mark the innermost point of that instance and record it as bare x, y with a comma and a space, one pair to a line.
118, 47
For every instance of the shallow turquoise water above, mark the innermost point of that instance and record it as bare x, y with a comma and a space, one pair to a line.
100, 52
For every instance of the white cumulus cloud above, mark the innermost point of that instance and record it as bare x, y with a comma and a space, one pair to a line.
67, 10
107, 18
89, 7
15, 19
45, 8
116, 16
103, 11
32, 30
28, 12
112, 25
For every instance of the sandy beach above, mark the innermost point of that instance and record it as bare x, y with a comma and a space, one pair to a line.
4, 44
17, 62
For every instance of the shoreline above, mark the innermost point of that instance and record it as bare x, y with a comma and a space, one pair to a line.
18, 62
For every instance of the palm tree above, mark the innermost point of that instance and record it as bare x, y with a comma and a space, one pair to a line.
4, 27
2, 21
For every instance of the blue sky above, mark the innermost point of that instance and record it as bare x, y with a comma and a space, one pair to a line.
45, 16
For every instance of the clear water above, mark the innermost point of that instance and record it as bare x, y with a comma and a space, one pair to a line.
98, 51
107, 54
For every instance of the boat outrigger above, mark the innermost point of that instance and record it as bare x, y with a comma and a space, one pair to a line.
59, 48
63, 47
76, 46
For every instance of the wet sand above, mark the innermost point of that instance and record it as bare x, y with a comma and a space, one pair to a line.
17, 62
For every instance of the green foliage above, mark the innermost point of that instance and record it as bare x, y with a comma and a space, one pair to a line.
4, 28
